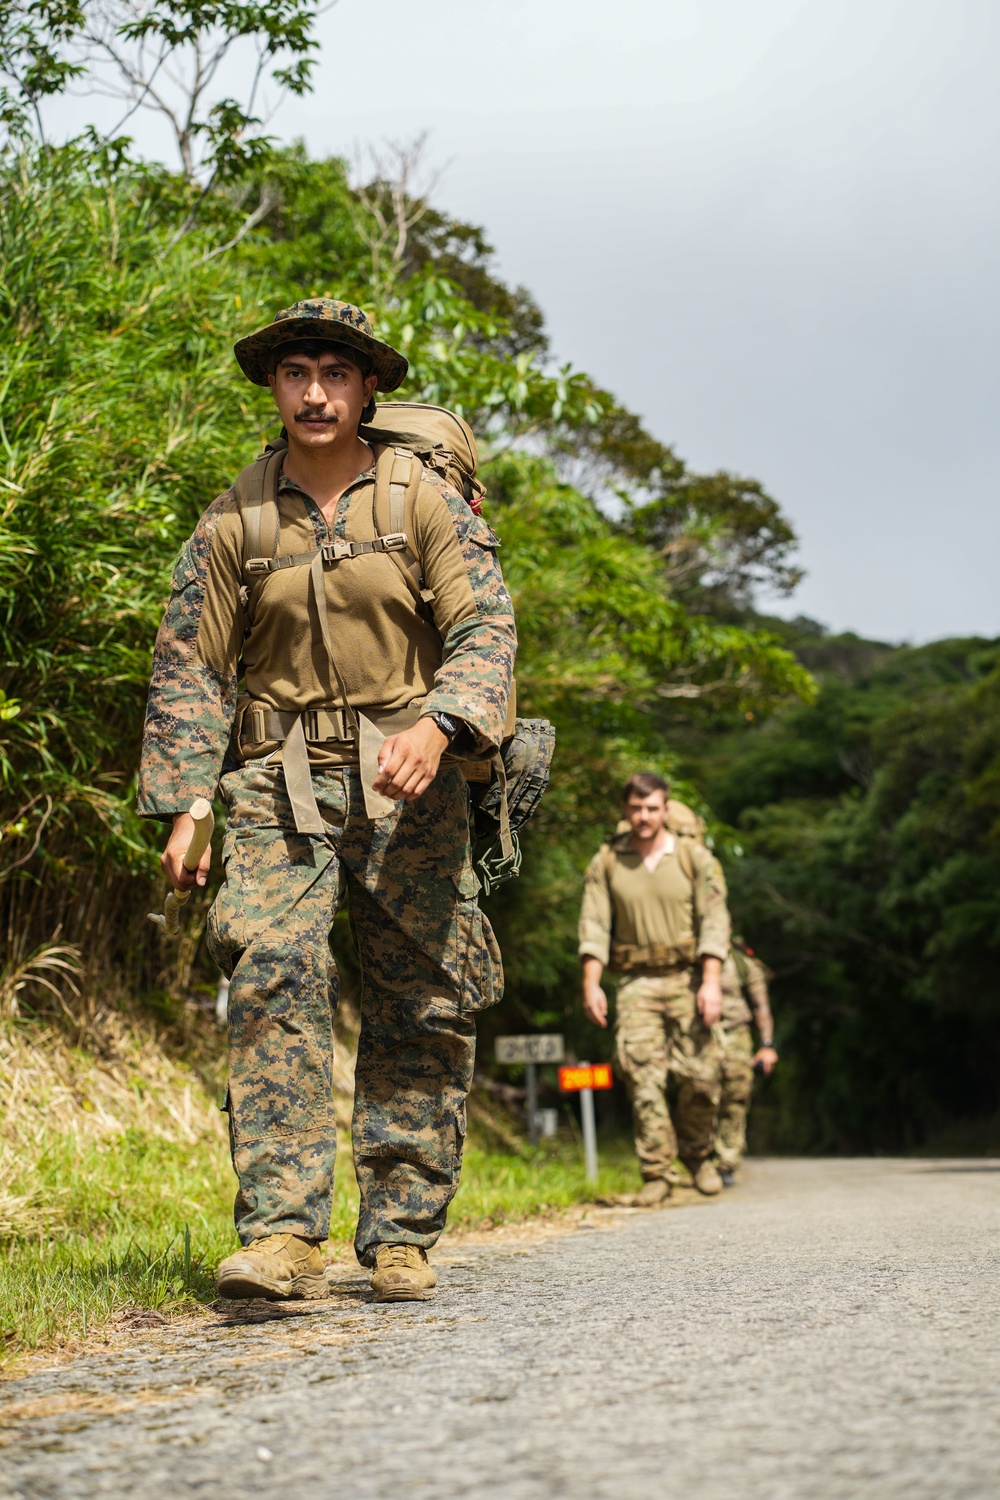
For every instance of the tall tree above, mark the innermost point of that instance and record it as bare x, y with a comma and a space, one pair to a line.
174, 58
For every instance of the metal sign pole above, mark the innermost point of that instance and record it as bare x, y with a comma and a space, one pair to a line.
531, 1088
589, 1123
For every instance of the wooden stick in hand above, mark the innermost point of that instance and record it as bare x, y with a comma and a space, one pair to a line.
204, 822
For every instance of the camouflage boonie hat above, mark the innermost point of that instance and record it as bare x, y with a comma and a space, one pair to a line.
320, 318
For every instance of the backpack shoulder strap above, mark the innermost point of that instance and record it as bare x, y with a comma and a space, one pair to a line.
608, 852
257, 497
685, 847
398, 475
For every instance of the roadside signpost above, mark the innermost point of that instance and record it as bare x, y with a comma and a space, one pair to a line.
531, 1050
548, 1048
583, 1078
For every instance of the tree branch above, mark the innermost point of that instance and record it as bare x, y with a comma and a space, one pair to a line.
268, 200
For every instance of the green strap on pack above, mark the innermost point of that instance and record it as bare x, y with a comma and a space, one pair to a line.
257, 496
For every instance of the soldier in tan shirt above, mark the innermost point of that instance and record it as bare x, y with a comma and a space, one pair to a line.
654, 910
745, 998
365, 687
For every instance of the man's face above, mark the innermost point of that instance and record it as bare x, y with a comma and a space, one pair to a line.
320, 398
646, 815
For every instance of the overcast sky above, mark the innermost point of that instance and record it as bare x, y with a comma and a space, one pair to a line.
769, 226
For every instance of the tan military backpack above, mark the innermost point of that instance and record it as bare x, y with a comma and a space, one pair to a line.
442, 440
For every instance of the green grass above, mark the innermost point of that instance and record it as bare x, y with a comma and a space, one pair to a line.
505, 1188
141, 1222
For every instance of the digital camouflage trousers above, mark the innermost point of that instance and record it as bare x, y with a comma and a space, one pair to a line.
659, 1031
428, 962
736, 1070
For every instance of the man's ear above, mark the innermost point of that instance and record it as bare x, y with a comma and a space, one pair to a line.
369, 387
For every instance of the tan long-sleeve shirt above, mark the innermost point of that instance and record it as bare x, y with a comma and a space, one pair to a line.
459, 662
661, 909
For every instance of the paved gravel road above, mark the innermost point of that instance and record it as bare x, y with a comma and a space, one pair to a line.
828, 1329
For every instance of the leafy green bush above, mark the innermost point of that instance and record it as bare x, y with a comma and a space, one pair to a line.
871, 883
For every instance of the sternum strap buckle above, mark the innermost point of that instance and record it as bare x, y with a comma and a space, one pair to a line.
334, 552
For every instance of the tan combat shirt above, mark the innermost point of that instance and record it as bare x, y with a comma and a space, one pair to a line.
389, 657
626, 902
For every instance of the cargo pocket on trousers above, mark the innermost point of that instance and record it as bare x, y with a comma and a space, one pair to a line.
225, 929
634, 1054
482, 968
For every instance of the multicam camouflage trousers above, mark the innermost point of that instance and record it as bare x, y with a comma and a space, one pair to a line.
428, 961
658, 1031
736, 1069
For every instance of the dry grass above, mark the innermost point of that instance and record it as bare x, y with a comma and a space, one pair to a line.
128, 1083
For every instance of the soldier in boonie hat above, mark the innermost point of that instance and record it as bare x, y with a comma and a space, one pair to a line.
348, 587
320, 320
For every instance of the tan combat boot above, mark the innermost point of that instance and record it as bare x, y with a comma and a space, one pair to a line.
402, 1274
277, 1266
652, 1193
707, 1179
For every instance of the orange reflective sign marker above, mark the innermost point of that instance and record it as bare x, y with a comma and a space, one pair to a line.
591, 1076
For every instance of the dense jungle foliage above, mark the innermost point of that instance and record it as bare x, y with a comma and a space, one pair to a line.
869, 825
858, 827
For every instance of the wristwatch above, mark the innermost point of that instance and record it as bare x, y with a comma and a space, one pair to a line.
447, 725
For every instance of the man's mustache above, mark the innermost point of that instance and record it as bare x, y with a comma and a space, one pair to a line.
311, 413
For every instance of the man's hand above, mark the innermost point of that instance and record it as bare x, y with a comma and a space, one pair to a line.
408, 762
595, 1005
710, 993
767, 1057
595, 1001
171, 860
